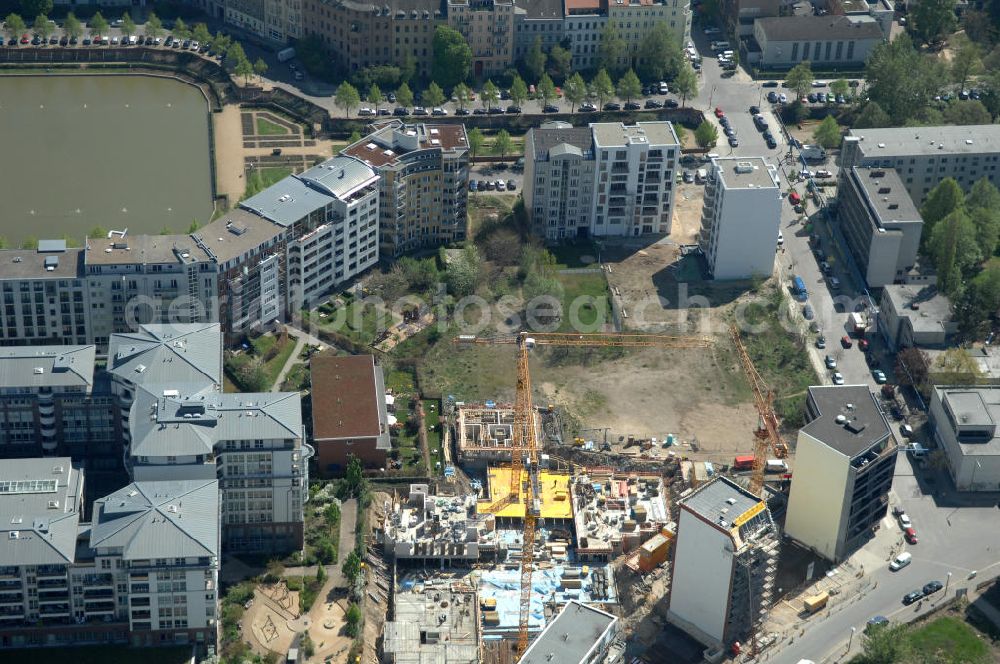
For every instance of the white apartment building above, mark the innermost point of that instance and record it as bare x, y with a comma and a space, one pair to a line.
608, 179
740, 218
923, 156
725, 559
331, 212
965, 426
581, 634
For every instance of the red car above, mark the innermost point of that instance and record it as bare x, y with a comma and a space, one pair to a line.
25, 38
845, 341
863, 345
911, 535
718, 112
794, 198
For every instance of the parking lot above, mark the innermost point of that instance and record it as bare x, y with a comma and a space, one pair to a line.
494, 172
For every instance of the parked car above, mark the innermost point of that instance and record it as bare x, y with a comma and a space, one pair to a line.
632, 106
772, 97
689, 177
901, 561
733, 143
473, 185
821, 343
511, 185
846, 342
838, 378
501, 185
877, 621
671, 103
513, 110
879, 376
834, 283
612, 106
419, 110
831, 362
400, 111
719, 113
904, 519
754, 110
912, 597
463, 111
391, 97
652, 103
911, 535
587, 107
550, 108
769, 84
438, 111
807, 312
932, 587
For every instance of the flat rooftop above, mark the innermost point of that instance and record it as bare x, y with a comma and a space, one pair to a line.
913, 141
545, 139
720, 500
47, 366
236, 233
388, 144
816, 28
145, 250
571, 637
864, 425
977, 407
556, 503
36, 264
611, 134
934, 308
745, 173
886, 195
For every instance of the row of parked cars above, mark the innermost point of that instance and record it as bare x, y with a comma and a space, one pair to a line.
100, 40
492, 185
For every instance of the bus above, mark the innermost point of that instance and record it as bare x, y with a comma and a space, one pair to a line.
799, 288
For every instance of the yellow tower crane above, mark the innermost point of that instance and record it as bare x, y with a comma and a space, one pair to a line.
524, 445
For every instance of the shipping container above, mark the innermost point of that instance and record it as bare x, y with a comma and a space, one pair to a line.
816, 602
743, 462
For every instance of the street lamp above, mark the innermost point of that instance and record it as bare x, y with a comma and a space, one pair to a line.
850, 642
946, 582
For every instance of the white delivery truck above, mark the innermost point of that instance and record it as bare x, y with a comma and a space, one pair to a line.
776, 466
286, 54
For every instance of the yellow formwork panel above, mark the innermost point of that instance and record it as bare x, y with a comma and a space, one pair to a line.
556, 503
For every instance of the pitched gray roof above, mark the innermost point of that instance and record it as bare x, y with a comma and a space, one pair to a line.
192, 424
813, 28
571, 637
42, 507
174, 519
189, 354
287, 201
47, 366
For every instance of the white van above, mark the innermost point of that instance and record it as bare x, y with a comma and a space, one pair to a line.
901, 561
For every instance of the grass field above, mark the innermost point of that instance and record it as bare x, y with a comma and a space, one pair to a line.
267, 128
950, 640
432, 418
569, 255
274, 366
591, 314
98, 655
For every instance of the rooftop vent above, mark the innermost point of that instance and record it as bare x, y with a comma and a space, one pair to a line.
39, 370
968, 141
840, 419
893, 206
14, 535
172, 509
140, 368
731, 501
53, 504
744, 167
881, 145
884, 190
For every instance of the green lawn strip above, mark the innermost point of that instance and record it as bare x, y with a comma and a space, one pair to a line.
568, 255
99, 655
432, 419
949, 639
277, 363
267, 128
592, 306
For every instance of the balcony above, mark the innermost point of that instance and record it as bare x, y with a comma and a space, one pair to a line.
104, 607
8, 598
53, 610
51, 572
51, 584
53, 597
90, 594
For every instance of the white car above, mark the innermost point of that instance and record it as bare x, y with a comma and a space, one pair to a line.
781, 239
879, 376
838, 378
195, 46
904, 521
365, 111
783, 98
501, 185
821, 173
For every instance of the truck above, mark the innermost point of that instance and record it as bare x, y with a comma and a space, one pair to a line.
776, 466
858, 324
286, 54
813, 153
814, 603
743, 462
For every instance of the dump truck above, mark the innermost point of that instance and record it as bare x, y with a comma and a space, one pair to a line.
814, 603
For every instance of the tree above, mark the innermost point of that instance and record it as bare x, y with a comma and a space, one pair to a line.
912, 367
502, 143
978, 308
983, 205
180, 29
534, 60
518, 90
461, 93
465, 271
354, 477
154, 28
871, 117
220, 43
36, 7
886, 644
489, 95
245, 69
433, 95
14, 26
956, 367
966, 61
407, 69
967, 112
629, 86
128, 25
476, 140
611, 51
98, 24
347, 97
42, 27
662, 57
942, 200
404, 95
260, 67
602, 88
954, 250
375, 96
97, 232
560, 62
452, 57
840, 87
235, 54
901, 80
800, 79
72, 27
827, 133
933, 20
706, 135
352, 566
575, 90
686, 82
546, 89
201, 34
353, 620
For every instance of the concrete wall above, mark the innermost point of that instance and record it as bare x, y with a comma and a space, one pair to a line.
816, 501
703, 565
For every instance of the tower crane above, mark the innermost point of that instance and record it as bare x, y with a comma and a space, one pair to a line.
524, 445
766, 436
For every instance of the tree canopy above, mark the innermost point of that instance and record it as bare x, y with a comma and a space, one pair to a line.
800, 79
534, 60
901, 80
602, 87
347, 97
629, 86
452, 57
686, 82
706, 135
942, 200
575, 90
827, 133
932, 20
661, 54
611, 50
404, 95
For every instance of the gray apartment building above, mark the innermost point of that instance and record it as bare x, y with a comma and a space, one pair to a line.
559, 171
844, 462
923, 156
916, 315
966, 421
880, 223
828, 42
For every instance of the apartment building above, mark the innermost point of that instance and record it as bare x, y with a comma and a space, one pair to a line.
277, 21
844, 462
331, 213
540, 20
880, 223
249, 252
559, 172
585, 21
740, 218
181, 426
488, 27
923, 156
345, 426
725, 559
365, 34
740, 15
781, 42
583, 26
581, 634
964, 419
422, 176
45, 295
916, 315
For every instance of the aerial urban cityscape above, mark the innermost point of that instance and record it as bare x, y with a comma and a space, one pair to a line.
500, 332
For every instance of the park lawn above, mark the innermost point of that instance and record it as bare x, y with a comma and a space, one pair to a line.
297, 378
267, 128
358, 320
408, 446
400, 382
273, 367
274, 174
99, 655
949, 639
577, 305
432, 419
